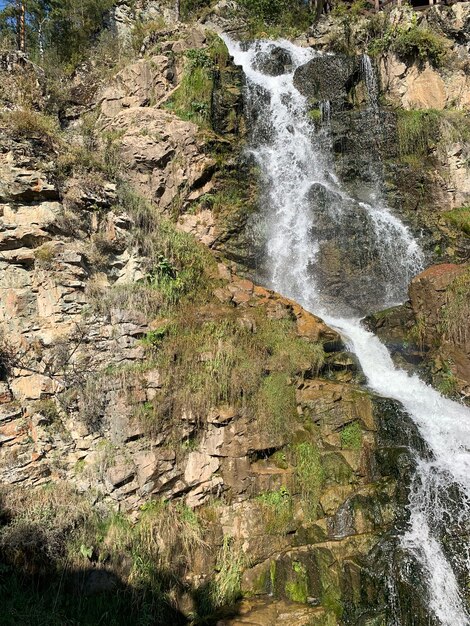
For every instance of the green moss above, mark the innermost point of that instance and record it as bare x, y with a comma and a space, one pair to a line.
297, 589
315, 115
460, 218
351, 436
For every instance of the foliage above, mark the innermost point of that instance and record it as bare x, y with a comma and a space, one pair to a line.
26, 123
418, 131
226, 586
286, 14
277, 510
52, 535
190, 9
446, 382
212, 362
420, 43
460, 218
192, 99
64, 28
309, 475
276, 404
177, 267
142, 29
351, 436
410, 42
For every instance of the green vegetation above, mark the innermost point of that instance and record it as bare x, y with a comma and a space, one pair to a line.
409, 42
192, 99
52, 538
420, 43
297, 589
178, 268
274, 17
226, 586
189, 9
276, 404
277, 510
446, 382
211, 362
418, 131
63, 31
351, 436
460, 218
309, 475
24, 123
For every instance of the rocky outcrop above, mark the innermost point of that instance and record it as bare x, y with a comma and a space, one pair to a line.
440, 299
161, 155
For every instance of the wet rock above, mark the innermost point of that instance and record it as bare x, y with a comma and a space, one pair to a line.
274, 62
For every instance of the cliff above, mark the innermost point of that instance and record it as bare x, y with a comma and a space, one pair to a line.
177, 443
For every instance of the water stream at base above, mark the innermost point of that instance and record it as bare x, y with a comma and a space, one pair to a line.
293, 157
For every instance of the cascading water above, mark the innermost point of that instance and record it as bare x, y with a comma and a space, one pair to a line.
306, 209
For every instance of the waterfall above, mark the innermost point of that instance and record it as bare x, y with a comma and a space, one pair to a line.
309, 216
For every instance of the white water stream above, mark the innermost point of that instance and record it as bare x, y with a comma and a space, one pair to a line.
286, 146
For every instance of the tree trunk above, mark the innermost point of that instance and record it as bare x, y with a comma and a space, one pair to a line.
21, 25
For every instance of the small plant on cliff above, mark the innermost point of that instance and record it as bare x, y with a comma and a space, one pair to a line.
418, 131
277, 510
420, 43
309, 475
410, 42
455, 313
28, 124
351, 436
192, 100
460, 218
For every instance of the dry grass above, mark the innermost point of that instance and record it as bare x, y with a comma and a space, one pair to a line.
456, 312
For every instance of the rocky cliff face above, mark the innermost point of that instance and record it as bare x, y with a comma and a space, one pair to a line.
141, 371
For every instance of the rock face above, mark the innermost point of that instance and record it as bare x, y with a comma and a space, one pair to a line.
161, 155
305, 509
440, 299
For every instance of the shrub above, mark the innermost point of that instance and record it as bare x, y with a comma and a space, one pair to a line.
420, 43
287, 14
411, 43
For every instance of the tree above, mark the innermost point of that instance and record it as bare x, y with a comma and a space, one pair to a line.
65, 28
